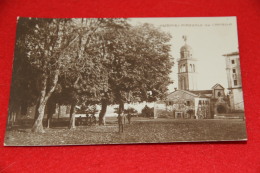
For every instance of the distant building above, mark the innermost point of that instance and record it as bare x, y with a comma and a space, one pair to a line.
234, 81
194, 104
187, 101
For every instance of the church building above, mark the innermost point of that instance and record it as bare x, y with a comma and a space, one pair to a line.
234, 81
187, 101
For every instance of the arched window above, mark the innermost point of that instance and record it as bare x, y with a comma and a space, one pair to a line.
193, 68
219, 94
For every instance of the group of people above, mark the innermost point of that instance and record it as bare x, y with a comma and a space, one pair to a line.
90, 120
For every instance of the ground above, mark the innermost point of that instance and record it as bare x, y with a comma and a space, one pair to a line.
141, 130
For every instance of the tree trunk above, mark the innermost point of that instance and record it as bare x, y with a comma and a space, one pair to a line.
121, 110
48, 123
121, 107
72, 117
59, 112
101, 120
36, 114
44, 96
49, 117
51, 109
38, 127
18, 113
14, 118
11, 119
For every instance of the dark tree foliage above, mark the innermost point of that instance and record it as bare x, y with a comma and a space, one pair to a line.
25, 82
148, 112
88, 80
138, 66
86, 62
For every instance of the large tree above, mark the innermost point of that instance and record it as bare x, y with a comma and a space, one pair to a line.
67, 51
89, 72
25, 86
91, 60
48, 52
139, 62
51, 50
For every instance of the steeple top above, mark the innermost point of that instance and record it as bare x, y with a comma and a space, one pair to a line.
186, 50
185, 38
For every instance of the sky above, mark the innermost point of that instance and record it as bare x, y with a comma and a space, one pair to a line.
209, 37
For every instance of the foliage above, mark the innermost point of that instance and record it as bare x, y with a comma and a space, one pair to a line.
24, 87
147, 112
131, 111
88, 61
139, 61
164, 113
87, 79
190, 112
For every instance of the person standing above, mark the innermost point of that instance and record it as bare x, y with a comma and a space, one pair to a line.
120, 123
129, 116
87, 119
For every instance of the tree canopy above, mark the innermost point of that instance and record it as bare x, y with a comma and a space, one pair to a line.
88, 61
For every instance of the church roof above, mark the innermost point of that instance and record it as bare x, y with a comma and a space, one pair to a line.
231, 54
197, 92
194, 93
185, 91
202, 93
217, 85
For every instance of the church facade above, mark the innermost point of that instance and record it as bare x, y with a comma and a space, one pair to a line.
187, 101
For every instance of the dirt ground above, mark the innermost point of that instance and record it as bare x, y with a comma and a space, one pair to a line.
141, 130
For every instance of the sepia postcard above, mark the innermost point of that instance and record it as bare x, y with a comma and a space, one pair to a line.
87, 81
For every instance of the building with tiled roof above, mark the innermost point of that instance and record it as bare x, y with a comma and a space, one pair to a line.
187, 101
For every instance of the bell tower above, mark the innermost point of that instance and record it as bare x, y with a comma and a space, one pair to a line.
187, 68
